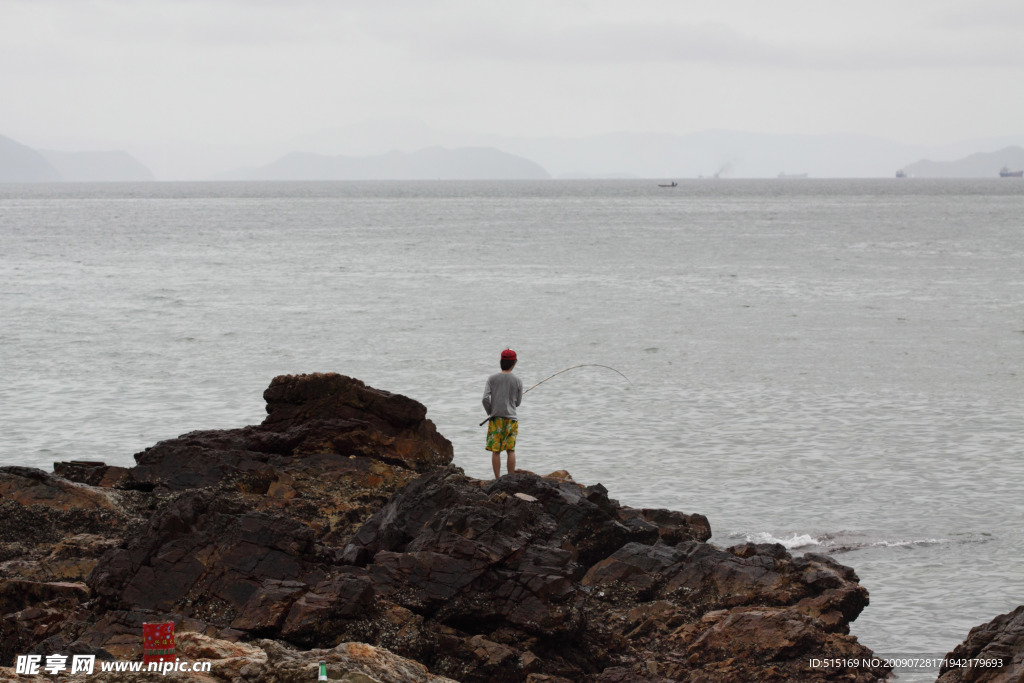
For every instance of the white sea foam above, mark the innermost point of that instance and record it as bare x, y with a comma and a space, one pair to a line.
793, 542
904, 543
850, 541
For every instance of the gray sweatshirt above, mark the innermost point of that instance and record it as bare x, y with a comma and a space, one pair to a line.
503, 392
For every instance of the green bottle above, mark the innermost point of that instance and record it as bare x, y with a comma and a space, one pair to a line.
323, 672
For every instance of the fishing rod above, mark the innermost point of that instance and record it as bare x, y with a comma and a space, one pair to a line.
581, 365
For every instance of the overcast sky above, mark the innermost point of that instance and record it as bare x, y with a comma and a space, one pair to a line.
237, 72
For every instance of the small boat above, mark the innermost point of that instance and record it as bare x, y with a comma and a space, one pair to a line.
672, 184
901, 173
1005, 172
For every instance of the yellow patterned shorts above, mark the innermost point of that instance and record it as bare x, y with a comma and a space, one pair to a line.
501, 434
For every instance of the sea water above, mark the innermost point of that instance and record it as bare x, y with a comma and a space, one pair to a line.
834, 365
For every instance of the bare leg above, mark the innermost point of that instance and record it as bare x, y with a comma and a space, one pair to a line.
511, 462
496, 463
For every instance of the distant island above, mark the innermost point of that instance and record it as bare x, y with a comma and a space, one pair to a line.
22, 164
433, 163
650, 155
980, 165
356, 153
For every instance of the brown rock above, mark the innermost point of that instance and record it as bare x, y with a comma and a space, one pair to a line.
267, 608
360, 662
55, 529
29, 486
269, 662
774, 644
70, 559
325, 609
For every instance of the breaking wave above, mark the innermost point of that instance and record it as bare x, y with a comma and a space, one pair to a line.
838, 542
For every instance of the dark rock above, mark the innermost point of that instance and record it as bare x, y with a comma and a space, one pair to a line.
303, 398
566, 580
402, 517
672, 527
33, 611
16, 595
330, 453
311, 421
765, 643
93, 473
999, 644
340, 518
252, 549
204, 556
326, 607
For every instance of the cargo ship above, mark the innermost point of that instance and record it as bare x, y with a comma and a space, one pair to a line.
1005, 172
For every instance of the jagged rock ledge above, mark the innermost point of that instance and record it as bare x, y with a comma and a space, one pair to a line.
991, 653
339, 529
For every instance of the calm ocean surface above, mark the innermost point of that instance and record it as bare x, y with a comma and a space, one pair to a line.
835, 365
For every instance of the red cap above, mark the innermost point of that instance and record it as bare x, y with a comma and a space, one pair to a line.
508, 354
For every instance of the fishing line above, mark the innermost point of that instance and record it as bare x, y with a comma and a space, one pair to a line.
581, 365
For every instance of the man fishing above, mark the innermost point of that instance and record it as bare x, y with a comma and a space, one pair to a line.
502, 395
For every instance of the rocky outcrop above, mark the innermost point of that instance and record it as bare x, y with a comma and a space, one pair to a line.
1000, 640
54, 531
535, 576
269, 661
340, 520
313, 422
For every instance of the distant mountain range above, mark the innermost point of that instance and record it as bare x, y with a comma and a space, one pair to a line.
980, 165
732, 154
720, 154
419, 152
725, 153
21, 164
433, 163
